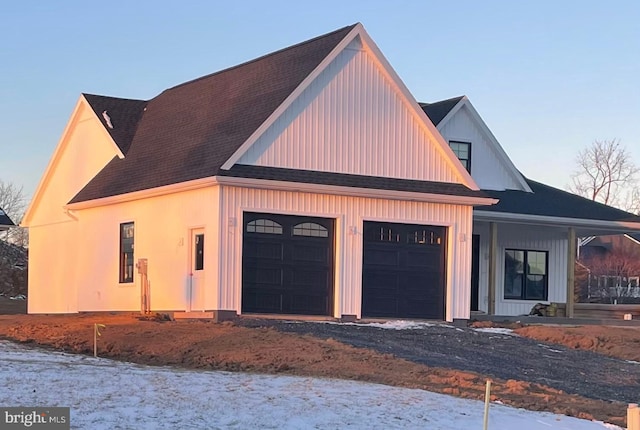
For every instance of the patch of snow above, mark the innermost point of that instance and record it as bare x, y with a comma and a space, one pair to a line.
18, 297
496, 330
105, 394
388, 325
548, 348
632, 362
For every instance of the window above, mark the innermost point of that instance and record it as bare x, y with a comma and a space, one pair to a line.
310, 229
525, 275
126, 252
264, 226
463, 152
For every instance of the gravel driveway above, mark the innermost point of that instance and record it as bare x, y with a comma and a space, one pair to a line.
499, 355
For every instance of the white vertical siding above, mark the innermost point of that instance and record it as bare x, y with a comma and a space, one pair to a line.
535, 238
352, 120
349, 213
487, 168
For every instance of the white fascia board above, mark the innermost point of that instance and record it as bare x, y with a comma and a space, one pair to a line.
144, 194
353, 191
291, 98
599, 225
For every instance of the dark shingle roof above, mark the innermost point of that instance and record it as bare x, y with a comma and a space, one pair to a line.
349, 180
123, 114
5, 221
188, 131
549, 201
438, 110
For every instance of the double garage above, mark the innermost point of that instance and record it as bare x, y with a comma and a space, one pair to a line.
288, 267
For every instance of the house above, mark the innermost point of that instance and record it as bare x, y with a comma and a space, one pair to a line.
307, 181
5, 221
523, 248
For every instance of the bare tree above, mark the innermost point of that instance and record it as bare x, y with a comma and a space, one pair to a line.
607, 174
14, 203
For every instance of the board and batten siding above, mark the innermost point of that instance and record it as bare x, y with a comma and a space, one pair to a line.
487, 168
349, 214
352, 119
522, 237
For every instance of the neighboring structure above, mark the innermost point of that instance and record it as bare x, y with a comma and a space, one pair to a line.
524, 246
612, 266
308, 181
5, 221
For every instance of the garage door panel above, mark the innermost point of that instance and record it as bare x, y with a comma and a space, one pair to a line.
315, 253
264, 250
381, 256
287, 264
403, 271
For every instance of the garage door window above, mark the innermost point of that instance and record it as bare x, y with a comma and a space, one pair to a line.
310, 229
424, 237
264, 226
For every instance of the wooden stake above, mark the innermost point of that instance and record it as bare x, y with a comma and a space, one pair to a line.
487, 398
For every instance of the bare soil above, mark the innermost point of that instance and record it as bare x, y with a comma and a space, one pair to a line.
264, 346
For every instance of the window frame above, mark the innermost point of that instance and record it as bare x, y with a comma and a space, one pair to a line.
525, 274
455, 152
123, 262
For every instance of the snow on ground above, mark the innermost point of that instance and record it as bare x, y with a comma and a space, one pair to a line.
496, 330
105, 394
387, 325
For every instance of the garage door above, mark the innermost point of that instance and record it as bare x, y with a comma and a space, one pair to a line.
403, 271
287, 264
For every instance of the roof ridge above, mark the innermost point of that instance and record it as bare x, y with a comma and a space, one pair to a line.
261, 57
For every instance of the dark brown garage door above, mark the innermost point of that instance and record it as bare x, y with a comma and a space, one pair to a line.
287, 264
403, 271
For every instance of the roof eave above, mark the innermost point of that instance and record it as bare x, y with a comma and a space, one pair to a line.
586, 226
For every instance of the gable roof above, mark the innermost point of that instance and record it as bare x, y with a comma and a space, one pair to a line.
441, 112
437, 111
548, 201
5, 221
188, 131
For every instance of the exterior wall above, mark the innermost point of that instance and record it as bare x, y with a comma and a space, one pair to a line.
352, 120
349, 213
516, 236
53, 256
83, 152
487, 168
75, 266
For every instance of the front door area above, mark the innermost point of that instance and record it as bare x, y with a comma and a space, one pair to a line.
403, 271
287, 264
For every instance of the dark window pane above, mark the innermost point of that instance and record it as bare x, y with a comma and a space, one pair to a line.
525, 275
199, 252
126, 252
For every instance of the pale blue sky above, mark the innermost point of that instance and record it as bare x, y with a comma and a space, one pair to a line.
548, 77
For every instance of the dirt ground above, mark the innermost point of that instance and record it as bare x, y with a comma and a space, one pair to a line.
232, 347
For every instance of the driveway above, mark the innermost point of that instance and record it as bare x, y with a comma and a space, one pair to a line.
492, 353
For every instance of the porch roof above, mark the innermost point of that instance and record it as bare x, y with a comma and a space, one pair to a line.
5, 221
550, 206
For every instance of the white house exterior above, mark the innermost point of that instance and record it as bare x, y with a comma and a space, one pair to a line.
531, 220
308, 181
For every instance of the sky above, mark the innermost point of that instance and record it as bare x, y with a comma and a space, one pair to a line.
145, 397
548, 77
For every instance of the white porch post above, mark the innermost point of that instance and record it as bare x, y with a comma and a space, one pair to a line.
571, 268
493, 254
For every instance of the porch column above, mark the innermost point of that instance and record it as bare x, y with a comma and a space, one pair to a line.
493, 255
571, 268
